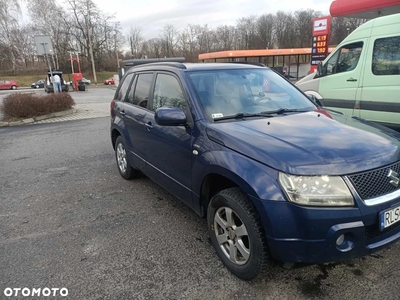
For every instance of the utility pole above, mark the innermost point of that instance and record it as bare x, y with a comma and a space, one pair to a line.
115, 42
72, 62
90, 44
78, 61
48, 64
58, 67
131, 42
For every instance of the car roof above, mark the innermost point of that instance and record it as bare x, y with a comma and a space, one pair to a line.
194, 66
217, 66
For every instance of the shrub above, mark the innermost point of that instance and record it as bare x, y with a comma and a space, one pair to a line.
31, 105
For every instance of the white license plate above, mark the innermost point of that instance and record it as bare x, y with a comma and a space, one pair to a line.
390, 217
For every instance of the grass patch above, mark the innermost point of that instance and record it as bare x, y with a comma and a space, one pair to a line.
22, 106
101, 77
27, 80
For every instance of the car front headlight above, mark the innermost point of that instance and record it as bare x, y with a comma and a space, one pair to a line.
316, 190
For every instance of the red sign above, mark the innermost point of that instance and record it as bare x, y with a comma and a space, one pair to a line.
320, 40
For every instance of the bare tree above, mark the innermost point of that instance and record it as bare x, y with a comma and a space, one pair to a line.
247, 29
170, 39
341, 27
135, 38
9, 13
225, 37
266, 30
153, 48
285, 29
303, 22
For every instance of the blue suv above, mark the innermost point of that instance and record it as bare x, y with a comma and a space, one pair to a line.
276, 175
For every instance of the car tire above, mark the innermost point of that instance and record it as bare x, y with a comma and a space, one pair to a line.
239, 240
109, 83
37, 86
13, 87
123, 164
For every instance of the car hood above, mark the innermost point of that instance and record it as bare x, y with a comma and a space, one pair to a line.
311, 143
305, 79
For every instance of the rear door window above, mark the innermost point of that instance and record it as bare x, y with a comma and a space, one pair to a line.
124, 87
140, 94
386, 56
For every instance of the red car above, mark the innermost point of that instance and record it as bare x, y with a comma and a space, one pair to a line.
8, 85
109, 81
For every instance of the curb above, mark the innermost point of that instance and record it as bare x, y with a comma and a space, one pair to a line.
39, 118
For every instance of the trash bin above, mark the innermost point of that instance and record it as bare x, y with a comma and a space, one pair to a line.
81, 87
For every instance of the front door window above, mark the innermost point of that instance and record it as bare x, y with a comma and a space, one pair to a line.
344, 60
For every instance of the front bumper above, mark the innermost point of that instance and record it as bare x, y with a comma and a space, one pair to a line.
309, 235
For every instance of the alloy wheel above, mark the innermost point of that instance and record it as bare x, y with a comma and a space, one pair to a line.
121, 158
232, 236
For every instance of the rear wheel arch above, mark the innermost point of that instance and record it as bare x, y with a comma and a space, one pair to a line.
114, 135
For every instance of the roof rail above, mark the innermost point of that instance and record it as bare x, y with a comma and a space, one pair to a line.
247, 63
165, 64
135, 62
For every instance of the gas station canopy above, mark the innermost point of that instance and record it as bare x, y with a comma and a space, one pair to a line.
365, 9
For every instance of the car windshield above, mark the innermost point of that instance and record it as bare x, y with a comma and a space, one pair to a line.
246, 92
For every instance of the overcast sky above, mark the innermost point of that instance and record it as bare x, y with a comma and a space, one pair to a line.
152, 15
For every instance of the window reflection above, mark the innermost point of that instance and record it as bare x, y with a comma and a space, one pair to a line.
168, 93
228, 92
140, 95
386, 56
124, 87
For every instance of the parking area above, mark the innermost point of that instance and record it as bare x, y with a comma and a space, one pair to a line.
68, 220
93, 103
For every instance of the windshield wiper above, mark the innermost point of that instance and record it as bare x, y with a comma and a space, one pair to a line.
283, 110
242, 115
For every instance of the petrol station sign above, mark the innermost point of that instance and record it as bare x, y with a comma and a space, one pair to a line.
320, 40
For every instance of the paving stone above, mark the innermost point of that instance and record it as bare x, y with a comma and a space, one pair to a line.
28, 121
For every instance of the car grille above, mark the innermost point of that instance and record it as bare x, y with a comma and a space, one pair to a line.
373, 231
374, 183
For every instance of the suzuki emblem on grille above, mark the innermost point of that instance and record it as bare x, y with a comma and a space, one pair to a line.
395, 180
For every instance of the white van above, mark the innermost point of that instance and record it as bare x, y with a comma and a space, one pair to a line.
361, 77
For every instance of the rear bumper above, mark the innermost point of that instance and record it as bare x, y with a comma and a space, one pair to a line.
310, 235
50, 89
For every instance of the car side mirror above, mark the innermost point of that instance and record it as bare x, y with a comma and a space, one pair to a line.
170, 116
320, 70
314, 100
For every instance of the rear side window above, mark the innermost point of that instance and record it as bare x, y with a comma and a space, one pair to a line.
168, 92
124, 87
386, 56
140, 95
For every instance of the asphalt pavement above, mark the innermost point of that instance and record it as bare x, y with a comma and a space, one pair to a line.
69, 220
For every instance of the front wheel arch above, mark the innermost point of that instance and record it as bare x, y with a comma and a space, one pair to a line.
247, 224
214, 183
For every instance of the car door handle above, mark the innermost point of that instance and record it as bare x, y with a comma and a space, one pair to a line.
351, 79
122, 112
148, 125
